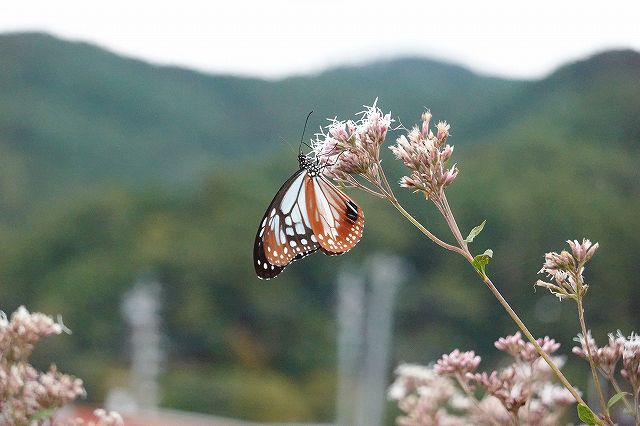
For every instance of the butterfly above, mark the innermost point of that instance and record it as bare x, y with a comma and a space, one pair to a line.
307, 214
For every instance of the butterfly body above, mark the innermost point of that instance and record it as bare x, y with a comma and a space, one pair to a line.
307, 214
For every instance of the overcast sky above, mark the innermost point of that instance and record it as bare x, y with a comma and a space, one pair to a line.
284, 37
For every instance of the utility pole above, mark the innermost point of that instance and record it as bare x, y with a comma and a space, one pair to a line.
365, 328
141, 308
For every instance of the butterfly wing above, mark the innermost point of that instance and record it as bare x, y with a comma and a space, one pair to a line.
285, 232
336, 220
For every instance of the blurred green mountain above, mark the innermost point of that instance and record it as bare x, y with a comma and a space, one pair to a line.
111, 169
73, 114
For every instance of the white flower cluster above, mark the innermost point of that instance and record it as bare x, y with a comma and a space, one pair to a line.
29, 396
447, 392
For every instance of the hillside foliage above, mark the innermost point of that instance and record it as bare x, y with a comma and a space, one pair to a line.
112, 170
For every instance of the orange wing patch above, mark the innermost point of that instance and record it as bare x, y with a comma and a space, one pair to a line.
336, 220
285, 232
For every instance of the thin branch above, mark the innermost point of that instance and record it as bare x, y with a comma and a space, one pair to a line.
451, 220
467, 255
618, 389
594, 375
531, 339
425, 231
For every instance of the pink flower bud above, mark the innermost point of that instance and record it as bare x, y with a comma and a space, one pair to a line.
450, 176
583, 251
446, 153
443, 131
426, 118
457, 363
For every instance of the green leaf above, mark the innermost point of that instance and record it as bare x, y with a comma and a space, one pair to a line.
615, 398
482, 260
586, 415
475, 231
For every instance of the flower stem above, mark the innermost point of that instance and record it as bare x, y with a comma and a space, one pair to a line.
618, 390
385, 184
539, 349
448, 214
636, 403
453, 225
425, 231
594, 374
531, 339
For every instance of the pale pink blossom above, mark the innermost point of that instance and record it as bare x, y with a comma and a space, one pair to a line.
548, 345
605, 358
420, 394
582, 251
553, 395
25, 392
457, 363
353, 147
515, 346
631, 361
566, 270
426, 155
520, 393
505, 386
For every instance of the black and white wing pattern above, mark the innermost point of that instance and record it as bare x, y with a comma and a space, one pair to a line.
285, 233
307, 214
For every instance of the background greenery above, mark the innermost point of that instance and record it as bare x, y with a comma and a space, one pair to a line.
112, 169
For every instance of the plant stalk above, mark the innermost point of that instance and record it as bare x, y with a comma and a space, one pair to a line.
426, 232
531, 339
617, 388
447, 213
636, 403
594, 374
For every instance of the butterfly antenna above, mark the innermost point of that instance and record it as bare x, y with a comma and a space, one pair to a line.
303, 130
286, 142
